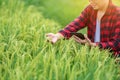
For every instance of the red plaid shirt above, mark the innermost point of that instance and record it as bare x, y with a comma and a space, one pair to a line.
110, 27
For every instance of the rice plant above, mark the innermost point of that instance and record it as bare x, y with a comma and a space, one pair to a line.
26, 55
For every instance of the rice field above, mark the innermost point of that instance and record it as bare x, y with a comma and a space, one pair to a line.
26, 55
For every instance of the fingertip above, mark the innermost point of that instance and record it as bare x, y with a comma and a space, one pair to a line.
48, 34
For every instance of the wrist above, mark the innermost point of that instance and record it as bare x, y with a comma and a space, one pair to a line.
94, 44
59, 36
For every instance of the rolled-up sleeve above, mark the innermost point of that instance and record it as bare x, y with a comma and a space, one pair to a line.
77, 24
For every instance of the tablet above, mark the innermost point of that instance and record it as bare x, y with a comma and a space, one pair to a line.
80, 35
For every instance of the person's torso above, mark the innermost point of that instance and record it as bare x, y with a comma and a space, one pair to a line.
107, 25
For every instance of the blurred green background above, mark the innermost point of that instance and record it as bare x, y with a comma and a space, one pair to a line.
62, 11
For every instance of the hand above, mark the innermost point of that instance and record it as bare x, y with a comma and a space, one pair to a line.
53, 38
79, 40
85, 41
89, 42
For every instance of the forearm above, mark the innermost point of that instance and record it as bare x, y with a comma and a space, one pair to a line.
72, 27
